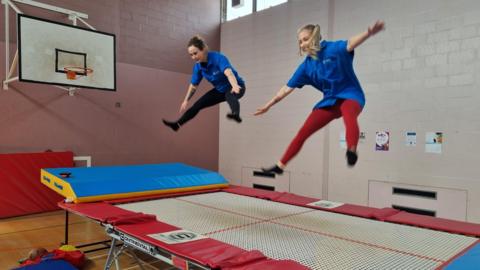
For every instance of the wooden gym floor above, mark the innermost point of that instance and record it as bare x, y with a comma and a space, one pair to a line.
19, 235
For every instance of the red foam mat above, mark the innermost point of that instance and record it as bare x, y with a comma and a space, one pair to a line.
22, 192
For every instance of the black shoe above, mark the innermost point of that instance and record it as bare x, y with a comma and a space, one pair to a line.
173, 125
273, 169
235, 117
352, 158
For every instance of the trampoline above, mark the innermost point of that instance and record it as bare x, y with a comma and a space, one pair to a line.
243, 228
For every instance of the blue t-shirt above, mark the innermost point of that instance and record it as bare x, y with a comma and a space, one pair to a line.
213, 71
331, 73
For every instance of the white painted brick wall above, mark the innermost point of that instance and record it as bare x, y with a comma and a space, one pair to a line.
421, 75
264, 50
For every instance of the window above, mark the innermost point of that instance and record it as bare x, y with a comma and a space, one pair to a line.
233, 9
264, 4
241, 8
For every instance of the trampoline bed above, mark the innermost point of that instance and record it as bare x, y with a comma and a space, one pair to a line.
245, 228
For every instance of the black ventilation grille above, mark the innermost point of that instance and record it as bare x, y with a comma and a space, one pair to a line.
415, 210
264, 187
414, 192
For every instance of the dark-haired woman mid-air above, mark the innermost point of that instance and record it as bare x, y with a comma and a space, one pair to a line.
227, 84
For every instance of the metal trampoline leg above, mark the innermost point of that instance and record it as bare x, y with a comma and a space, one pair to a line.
135, 257
111, 255
117, 265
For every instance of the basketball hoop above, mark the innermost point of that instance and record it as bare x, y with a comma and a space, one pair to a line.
73, 72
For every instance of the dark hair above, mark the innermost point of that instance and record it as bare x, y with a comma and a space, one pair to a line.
198, 42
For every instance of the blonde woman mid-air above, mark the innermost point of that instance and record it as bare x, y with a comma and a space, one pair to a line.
328, 67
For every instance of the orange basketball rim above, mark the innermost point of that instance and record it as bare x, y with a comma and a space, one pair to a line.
73, 72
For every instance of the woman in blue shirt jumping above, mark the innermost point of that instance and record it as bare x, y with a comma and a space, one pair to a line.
215, 68
329, 68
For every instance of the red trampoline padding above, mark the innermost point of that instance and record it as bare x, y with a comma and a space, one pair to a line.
294, 199
384, 213
255, 260
269, 265
22, 192
348, 209
283, 197
160, 196
252, 192
440, 224
132, 218
100, 211
209, 252
213, 253
352, 210
244, 258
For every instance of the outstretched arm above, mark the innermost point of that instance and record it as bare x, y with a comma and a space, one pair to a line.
190, 92
283, 92
232, 80
356, 40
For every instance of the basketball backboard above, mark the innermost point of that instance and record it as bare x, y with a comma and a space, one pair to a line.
46, 48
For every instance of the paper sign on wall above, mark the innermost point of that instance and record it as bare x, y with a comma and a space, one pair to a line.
433, 142
410, 138
382, 141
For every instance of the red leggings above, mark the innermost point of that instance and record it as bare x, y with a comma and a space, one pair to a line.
318, 118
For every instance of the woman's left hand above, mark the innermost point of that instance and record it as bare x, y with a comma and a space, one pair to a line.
235, 90
375, 28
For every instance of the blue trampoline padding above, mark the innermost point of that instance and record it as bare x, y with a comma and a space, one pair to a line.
102, 180
470, 260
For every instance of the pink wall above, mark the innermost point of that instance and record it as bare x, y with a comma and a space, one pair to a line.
149, 33
153, 71
36, 117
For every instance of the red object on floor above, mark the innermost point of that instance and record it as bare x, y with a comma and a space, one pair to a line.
22, 192
75, 257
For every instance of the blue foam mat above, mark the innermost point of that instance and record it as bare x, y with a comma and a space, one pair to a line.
94, 181
49, 265
470, 260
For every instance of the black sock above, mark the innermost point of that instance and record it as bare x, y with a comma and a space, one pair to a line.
173, 125
273, 169
235, 117
352, 158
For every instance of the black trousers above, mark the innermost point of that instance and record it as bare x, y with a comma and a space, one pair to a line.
211, 98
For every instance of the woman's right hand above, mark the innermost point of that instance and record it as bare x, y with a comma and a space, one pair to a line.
262, 110
183, 107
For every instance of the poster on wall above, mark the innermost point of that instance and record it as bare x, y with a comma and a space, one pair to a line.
382, 141
433, 142
410, 138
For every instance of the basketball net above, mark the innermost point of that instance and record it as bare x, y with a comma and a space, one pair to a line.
73, 72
